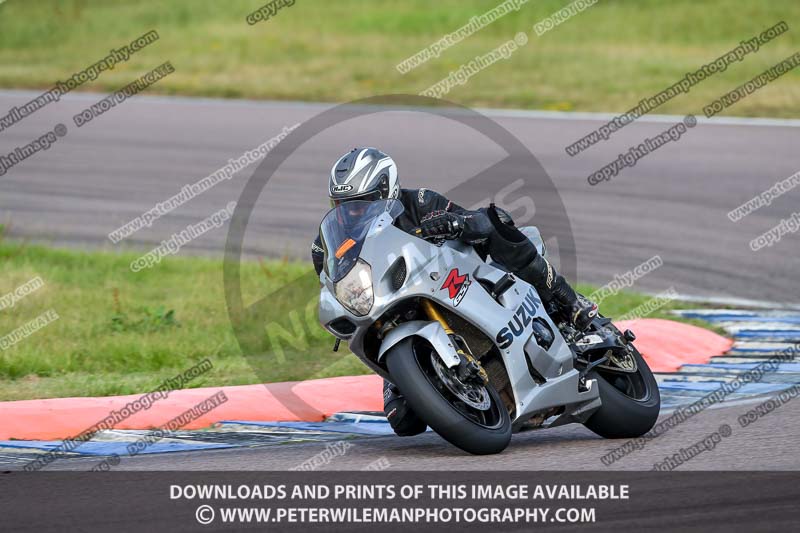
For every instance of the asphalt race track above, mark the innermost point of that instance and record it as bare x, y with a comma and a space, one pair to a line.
769, 444
672, 203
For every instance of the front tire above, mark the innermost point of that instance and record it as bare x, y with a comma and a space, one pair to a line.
480, 432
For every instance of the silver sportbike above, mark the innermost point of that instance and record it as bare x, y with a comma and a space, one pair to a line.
472, 348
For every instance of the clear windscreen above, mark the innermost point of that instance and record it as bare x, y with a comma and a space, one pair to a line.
344, 229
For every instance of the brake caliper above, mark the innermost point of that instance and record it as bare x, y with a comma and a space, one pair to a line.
470, 368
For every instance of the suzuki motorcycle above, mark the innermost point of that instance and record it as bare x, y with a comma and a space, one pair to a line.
472, 347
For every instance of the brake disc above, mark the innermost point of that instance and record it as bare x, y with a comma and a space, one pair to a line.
472, 394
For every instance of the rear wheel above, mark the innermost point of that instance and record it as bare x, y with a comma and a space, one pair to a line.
631, 401
469, 415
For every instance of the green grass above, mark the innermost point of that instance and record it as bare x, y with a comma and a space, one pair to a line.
121, 332
604, 59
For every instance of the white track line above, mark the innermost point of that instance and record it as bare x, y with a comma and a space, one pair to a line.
499, 113
605, 117
736, 302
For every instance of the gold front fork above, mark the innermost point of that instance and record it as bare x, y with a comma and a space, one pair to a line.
461, 347
430, 309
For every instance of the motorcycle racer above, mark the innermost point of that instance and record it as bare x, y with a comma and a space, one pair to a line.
369, 174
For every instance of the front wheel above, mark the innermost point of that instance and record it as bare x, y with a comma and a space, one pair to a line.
468, 415
630, 401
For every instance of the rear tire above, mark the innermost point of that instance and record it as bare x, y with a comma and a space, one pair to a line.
623, 417
409, 367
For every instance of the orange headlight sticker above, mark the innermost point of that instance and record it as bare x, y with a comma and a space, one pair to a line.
346, 245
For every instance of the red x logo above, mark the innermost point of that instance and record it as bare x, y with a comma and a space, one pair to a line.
453, 282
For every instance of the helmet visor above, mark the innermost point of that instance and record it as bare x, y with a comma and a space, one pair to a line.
367, 197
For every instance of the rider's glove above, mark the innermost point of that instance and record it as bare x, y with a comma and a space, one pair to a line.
441, 225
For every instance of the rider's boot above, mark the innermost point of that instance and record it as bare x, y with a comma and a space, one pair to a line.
552, 286
403, 420
510, 247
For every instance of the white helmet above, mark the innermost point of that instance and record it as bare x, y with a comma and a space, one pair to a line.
363, 174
